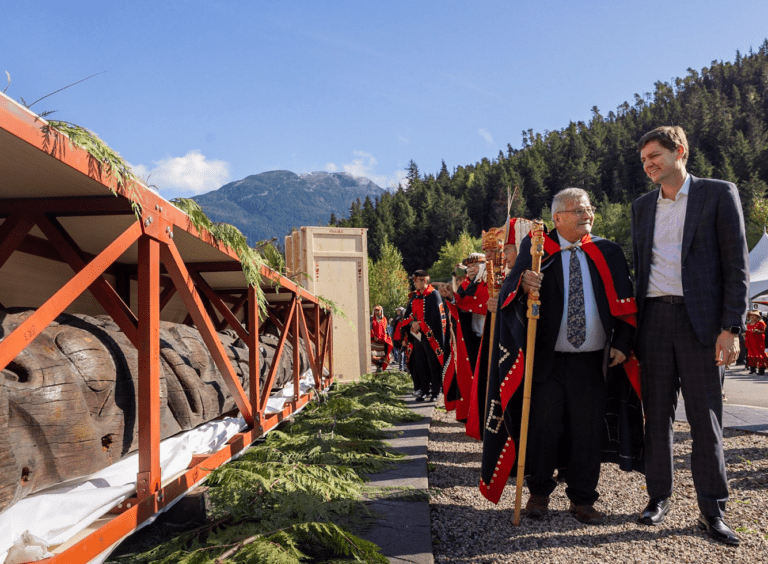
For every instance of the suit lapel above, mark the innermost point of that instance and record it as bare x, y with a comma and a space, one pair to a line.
692, 214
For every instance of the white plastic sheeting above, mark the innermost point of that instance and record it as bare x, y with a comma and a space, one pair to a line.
52, 517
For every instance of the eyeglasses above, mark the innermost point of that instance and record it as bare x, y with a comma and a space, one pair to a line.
580, 211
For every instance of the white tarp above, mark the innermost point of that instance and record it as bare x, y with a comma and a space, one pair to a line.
52, 517
758, 267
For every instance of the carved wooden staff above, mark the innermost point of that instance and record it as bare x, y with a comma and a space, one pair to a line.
537, 251
492, 247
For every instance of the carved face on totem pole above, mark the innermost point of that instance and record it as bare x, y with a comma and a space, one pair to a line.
68, 400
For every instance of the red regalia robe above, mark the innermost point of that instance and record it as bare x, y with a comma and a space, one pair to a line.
379, 335
754, 340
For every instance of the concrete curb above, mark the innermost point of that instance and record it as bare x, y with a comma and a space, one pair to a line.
404, 531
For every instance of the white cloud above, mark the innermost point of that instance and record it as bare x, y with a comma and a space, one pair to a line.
364, 164
398, 178
361, 166
485, 135
191, 174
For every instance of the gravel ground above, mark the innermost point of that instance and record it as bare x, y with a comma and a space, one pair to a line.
468, 528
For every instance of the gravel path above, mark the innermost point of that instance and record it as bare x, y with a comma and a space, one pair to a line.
468, 528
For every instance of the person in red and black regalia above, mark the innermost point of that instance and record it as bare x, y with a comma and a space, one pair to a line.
513, 232
380, 336
470, 299
754, 339
585, 396
422, 331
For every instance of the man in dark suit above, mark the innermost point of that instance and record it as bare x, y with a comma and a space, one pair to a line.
579, 333
692, 278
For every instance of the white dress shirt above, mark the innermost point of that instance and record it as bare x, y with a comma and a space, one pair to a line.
665, 277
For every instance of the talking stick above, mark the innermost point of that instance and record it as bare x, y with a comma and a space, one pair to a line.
537, 251
492, 248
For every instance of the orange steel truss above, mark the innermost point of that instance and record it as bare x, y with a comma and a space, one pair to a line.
142, 253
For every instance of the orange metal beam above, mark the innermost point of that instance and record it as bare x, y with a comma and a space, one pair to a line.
144, 328
215, 300
254, 364
186, 288
278, 354
25, 333
12, 233
296, 350
273, 318
148, 479
68, 206
106, 295
166, 296
309, 342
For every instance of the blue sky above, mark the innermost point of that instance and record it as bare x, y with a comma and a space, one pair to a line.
200, 93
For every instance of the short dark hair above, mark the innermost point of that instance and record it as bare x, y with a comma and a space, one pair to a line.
420, 274
669, 136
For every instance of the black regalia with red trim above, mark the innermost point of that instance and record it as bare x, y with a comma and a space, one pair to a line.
516, 230
427, 309
457, 372
623, 441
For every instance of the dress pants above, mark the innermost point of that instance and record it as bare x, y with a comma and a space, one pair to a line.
426, 371
568, 410
672, 359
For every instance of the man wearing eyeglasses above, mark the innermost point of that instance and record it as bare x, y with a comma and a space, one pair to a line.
585, 327
690, 255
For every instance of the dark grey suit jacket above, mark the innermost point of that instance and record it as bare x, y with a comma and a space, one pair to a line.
715, 267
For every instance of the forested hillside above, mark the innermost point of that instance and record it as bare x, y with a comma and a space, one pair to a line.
272, 203
723, 109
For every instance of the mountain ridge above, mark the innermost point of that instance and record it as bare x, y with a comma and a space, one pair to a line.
271, 203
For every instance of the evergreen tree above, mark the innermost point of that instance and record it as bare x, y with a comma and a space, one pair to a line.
387, 280
723, 109
452, 254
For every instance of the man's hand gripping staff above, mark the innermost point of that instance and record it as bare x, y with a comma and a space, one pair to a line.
537, 251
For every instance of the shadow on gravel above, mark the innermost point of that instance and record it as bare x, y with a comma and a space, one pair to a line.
747, 455
469, 478
563, 532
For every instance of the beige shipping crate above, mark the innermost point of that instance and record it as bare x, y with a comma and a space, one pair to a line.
334, 263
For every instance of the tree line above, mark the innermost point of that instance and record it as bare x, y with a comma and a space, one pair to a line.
723, 109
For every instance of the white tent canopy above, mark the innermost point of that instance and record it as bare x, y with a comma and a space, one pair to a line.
758, 267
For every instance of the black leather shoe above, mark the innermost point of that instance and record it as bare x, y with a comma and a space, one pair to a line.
655, 512
537, 506
716, 529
